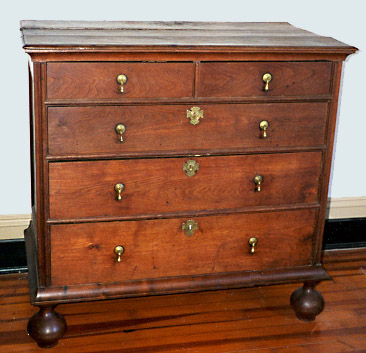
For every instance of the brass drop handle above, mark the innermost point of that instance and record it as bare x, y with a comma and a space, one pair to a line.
263, 125
252, 242
119, 250
122, 79
189, 227
118, 188
267, 78
120, 130
258, 179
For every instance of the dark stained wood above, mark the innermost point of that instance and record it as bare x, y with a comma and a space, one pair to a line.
30, 247
99, 80
39, 211
240, 79
46, 327
43, 239
241, 320
248, 34
164, 128
188, 214
54, 295
86, 189
189, 101
155, 248
307, 302
149, 54
327, 160
76, 68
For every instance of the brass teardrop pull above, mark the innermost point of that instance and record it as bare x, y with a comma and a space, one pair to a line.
252, 242
258, 179
118, 188
263, 126
267, 78
119, 250
120, 130
122, 79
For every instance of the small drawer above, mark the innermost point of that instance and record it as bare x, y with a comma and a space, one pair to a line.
99, 80
158, 129
246, 79
129, 188
161, 248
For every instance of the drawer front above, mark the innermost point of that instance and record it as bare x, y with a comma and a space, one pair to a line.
158, 186
245, 79
160, 248
159, 129
99, 80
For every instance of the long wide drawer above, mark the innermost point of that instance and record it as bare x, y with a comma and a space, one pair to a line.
160, 248
156, 186
246, 79
99, 80
158, 129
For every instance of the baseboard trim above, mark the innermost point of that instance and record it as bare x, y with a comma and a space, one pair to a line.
346, 207
13, 226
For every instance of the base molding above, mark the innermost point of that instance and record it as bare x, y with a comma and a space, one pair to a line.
175, 285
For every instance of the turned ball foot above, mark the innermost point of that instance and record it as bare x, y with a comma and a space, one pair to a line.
307, 302
46, 327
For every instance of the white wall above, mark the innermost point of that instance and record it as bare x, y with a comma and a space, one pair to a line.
343, 20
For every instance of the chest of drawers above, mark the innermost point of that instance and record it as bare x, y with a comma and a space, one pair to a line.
177, 157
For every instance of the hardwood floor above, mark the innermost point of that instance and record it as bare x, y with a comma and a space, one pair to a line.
257, 320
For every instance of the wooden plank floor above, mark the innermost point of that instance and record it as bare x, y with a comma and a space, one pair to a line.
257, 320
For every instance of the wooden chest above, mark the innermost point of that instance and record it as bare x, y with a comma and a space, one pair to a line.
177, 157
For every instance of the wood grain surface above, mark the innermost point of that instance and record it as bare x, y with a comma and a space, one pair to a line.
252, 34
257, 320
240, 79
165, 128
177, 64
158, 186
160, 248
99, 80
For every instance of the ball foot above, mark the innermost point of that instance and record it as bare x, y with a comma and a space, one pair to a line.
307, 302
46, 327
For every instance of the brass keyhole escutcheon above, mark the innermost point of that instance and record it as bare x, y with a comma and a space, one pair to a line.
122, 79
267, 78
120, 130
119, 250
190, 227
118, 188
191, 167
263, 125
252, 243
194, 115
258, 180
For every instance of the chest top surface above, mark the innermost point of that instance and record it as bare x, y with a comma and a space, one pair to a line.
196, 34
